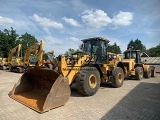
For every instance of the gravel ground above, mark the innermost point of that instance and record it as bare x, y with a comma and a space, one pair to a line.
135, 100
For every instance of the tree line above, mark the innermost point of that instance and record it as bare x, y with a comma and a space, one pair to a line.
9, 39
137, 45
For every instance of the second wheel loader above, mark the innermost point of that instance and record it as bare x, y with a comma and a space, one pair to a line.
42, 89
134, 67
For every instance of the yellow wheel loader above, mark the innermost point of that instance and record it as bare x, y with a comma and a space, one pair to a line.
134, 67
42, 89
19, 65
14, 52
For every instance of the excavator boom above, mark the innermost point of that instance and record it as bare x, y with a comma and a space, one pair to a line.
13, 51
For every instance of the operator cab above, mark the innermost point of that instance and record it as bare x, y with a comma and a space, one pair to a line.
97, 48
133, 54
48, 56
32, 59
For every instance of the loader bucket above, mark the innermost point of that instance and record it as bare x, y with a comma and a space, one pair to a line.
41, 89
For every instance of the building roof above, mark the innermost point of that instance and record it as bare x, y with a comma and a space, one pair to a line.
151, 60
144, 55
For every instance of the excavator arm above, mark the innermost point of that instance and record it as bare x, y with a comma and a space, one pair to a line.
12, 52
37, 49
40, 53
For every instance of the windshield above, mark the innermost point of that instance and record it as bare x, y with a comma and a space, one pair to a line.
97, 48
50, 56
129, 55
90, 47
32, 59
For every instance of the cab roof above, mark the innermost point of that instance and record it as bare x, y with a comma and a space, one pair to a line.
95, 38
132, 51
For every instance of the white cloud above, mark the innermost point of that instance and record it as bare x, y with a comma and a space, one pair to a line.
96, 18
45, 22
50, 40
123, 19
74, 39
71, 22
5, 20
60, 45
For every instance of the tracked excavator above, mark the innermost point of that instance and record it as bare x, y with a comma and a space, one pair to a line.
14, 52
42, 89
20, 65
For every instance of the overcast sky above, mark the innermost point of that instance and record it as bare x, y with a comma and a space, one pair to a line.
63, 23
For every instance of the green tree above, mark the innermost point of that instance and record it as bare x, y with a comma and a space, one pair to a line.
154, 51
26, 40
114, 48
1, 52
70, 52
136, 45
2, 43
8, 40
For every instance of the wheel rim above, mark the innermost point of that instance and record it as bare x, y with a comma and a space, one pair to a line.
92, 81
119, 77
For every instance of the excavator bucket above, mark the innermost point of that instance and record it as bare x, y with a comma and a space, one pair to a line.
41, 89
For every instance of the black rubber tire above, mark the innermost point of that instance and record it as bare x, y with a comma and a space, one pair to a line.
138, 73
148, 73
117, 77
82, 81
153, 73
